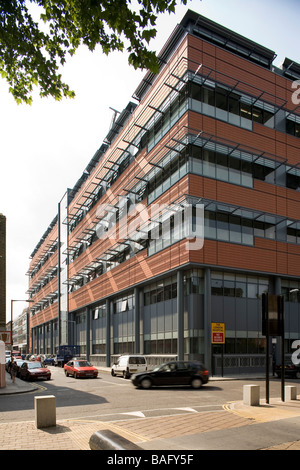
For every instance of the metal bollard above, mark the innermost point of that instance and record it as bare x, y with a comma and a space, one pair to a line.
108, 440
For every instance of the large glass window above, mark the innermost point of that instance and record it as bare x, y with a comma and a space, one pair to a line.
238, 109
236, 285
160, 291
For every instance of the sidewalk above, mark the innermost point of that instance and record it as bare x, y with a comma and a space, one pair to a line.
273, 426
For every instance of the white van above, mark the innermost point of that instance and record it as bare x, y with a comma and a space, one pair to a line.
129, 364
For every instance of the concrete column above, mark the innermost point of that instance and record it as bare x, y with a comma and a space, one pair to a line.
137, 321
180, 316
108, 350
52, 348
207, 318
44, 338
88, 332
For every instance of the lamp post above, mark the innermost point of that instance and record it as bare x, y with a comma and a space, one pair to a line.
11, 316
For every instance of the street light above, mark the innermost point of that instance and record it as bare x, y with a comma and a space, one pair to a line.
11, 316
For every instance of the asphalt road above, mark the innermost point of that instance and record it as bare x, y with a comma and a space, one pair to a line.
114, 398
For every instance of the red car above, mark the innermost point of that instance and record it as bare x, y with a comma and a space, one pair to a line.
33, 371
80, 368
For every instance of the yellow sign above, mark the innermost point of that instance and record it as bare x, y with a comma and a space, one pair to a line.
218, 333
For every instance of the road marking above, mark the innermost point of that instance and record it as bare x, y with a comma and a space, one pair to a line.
187, 409
135, 413
40, 386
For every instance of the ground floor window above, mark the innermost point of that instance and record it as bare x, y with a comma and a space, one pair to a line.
242, 346
123, 348
161, 346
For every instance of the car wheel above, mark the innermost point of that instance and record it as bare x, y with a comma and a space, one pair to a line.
196, 383
66, 374
146, 383
298, 375
125, 375
112, 373
75, 375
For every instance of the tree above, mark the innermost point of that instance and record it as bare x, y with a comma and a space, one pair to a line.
32, 52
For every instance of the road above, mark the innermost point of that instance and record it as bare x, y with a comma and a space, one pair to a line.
114, 398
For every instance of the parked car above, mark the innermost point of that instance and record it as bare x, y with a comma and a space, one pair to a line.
173, 373
49, 360
290, 370
80, 368
127, 365
34, 370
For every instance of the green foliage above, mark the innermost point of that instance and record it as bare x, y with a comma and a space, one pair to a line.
31, 53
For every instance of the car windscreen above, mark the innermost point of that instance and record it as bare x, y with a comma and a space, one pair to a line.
34, 365
82, 364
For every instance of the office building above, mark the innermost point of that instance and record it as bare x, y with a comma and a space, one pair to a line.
186, 214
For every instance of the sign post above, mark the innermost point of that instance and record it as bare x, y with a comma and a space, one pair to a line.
218, 337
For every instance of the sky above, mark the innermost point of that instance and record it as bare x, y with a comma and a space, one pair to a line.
45, 147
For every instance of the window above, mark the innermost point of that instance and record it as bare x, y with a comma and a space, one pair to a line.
236, 285
293, 127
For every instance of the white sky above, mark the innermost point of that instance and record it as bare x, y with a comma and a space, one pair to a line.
44, 148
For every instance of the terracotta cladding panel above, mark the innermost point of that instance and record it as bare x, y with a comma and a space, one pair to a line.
235, 66
293, 265
130, 273
264, 197
294, 249
292, 150
293, 209
50, 239
265, 256
282, 263
245, 257
195, 57
246, 197
51, 263
47, 289
46, 315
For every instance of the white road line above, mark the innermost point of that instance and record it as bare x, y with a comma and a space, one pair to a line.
135, 413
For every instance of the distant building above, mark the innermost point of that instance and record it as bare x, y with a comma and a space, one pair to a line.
215, 133
20, 332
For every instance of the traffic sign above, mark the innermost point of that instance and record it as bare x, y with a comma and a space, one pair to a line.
218, 333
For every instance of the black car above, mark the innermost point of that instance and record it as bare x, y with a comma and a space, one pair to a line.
173, 373
290, 370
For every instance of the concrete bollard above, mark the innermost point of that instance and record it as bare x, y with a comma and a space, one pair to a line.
251, 395
45, 411
109, 440
290, 392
